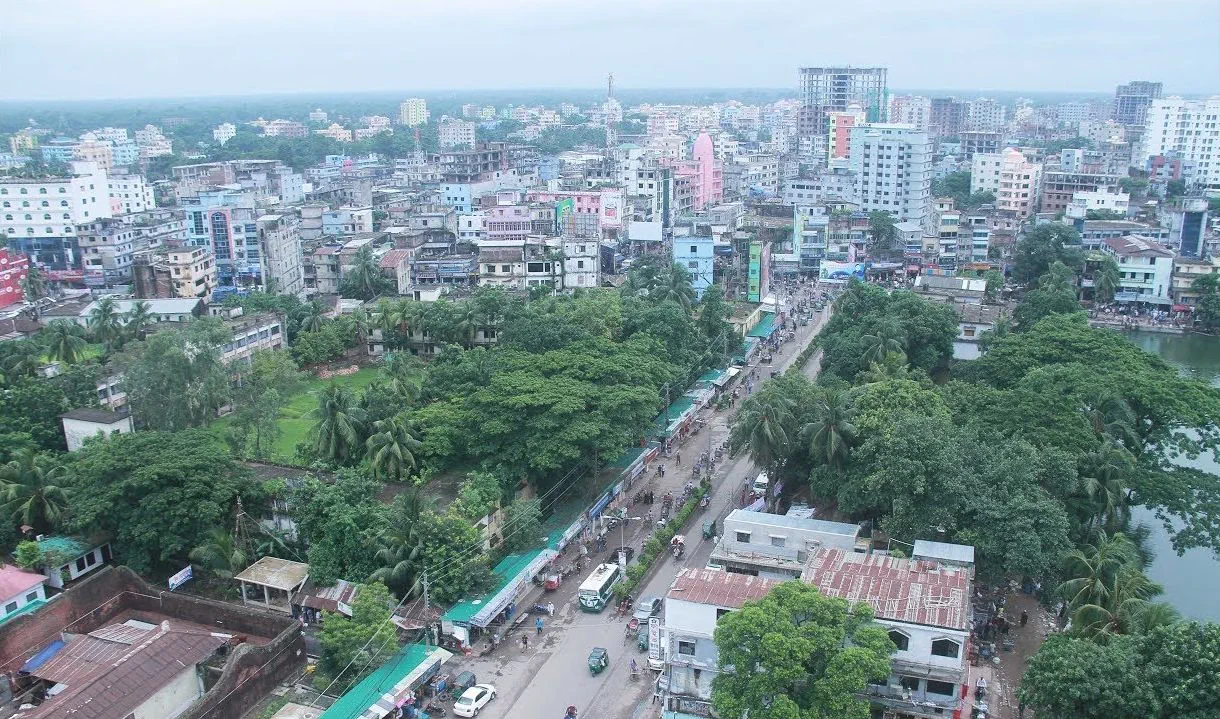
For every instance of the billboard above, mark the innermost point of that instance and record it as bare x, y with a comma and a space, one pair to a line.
564, 209
841, 271
181, 578
612, 209
13, 268
755, 276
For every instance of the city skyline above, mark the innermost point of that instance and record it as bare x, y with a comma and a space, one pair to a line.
145, 50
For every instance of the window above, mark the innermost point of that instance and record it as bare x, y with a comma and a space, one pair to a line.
91, 559
80, 564
686, 648
743, 537
31, 597
945, 648
943, 688
12, 607
900, 640
777, 541
911, 684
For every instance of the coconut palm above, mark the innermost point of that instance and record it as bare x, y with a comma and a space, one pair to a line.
362, 325
24, 360
1102, 475
467, 320
1125, 610
34, 285
761, 427
33, 491
1106, 281
675, 285
400, 550
340, 421
1111, 416
363, 279
886, 340
831, 435
221, 554
314, 317
65, 341
139, 319
1092, 570
389, 448
405, 374
104, 322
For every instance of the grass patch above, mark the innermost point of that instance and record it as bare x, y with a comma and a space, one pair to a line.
294, 419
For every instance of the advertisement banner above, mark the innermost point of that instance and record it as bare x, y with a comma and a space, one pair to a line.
612, 210
654, 639
564, 210
841, 271
180, 578
755, 277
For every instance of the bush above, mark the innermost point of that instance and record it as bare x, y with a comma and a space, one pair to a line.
28, 556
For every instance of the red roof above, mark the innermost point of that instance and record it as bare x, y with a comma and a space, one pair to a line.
718, 587
393, 259
15, 581
902, 590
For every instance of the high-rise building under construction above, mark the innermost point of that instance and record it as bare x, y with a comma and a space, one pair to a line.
836, 89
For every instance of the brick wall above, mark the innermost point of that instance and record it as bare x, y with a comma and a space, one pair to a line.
251, 672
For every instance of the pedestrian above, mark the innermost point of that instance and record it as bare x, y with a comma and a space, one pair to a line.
525, 642
1024, 617
550, 609
679, 457
538, 624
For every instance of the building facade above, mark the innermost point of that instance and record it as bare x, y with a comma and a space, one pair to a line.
834, 89
696, 254
893, 168
1131, 101
1189, 129
39, 217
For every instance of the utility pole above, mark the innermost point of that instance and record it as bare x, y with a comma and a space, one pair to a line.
428, 631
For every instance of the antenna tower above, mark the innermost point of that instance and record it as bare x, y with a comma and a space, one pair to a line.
611, 127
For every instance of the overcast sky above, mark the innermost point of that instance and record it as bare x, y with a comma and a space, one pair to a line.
77, 49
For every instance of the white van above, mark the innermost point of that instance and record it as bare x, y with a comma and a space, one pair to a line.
761, 483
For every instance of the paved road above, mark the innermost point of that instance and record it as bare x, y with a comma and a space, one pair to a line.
541, 681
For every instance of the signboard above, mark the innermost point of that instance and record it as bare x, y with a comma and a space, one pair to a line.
611, 209
13, 269
654, 640
841, 271
564, 209
180, 578
755, 276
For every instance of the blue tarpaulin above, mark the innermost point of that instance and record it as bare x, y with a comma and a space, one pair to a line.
43, 657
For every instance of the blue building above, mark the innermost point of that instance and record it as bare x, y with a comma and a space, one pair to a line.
696, 255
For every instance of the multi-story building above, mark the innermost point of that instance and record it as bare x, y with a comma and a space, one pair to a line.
985, 115
776, 547
838, 140
1145, 269
1103, 199
456, 133
1011, 178
914, 110
182, 272
975, 141
252, 333
279, 248
130, 194
335, 132
13, 271
413, 111
322, 269
838, 183
835, 89
152, 143
318, 115
696, 254
38, 217
946, 116
224, 132
1131, 101
1059, 188
1071, 114
285, 128
1185, 271
893, 168
1188, 128
1188, 226
347, 221
91, 149
581, 263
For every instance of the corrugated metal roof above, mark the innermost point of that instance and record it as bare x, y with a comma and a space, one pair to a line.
944, 551
902, 590
781, 520
723, 589
280, 574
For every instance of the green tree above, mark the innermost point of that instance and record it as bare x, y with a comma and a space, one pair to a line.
676, 287
263, 391
887, 340
138, 320
884, 234
995, 283
832, 433
1074, 679
313, 317
65, 341
341, 522
28, 555
797, 654
365, 640
390, 449
1175, 188
523, 522
762, 429
478, 496
34, 285
450, 543
105, 323
1207, 308
1106, 281
220, 554
180, 363
338, 430
158, 494
1042, 246
363, 280
400, 549
31, 406
34, 490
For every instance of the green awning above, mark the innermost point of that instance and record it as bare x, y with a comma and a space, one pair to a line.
765, 326
505, 573
368, 695
32, 606
667, 422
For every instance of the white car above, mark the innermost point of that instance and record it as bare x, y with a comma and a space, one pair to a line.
474, 699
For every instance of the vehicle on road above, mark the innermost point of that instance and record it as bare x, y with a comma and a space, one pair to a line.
474, 699
464, 681
761, 483
599, 659
596, 591
647, 607
628, 551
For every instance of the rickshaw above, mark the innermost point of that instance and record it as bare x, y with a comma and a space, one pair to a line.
709, 529
464, 681
599, 659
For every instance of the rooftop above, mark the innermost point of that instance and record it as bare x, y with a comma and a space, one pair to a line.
15, 581
280, 574
97, 416
780, 520
377, 695
901, 590
1136, 246
944, 551
71, 547
713, 586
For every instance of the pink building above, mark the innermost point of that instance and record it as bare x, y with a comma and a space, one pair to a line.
840, 131
606, 204
710, 188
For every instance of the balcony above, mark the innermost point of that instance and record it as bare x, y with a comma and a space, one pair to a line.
912, 701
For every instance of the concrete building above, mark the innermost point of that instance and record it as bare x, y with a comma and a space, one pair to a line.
152, 143
347, 221
192, 272
1188, 221
581, 263
1188, 128
985, 115
893, 168
696, 254
1059, 188
1185, 271
285, 128
835, 89
456, 133
20, 589
279, 240
224, 132
1010, 177
837, 183
412, 112
710, 189
252, 333
91, 149
838, 140
130, 194
774, 546
1145, 270
975, 141
946, 116
914, 110
1131, 101
1103, 199
38, 217
87, 423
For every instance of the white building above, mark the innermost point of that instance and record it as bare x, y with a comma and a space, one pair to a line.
130, 193
774, 546
318, 115
472, 227
1010, 177
893, 168
1145, 269
19, 588
456, 133
39, 217
413, 111
87, 423
829, 184
74, 558
224, 132
1190, 128
152, 143
914, 110
581, 264
279, 241
985, 115
1104, 198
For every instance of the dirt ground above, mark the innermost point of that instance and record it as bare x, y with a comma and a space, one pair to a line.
1005, 677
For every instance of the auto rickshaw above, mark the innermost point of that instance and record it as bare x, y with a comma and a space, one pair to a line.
641, 638
599, 659
464, 681
709, 529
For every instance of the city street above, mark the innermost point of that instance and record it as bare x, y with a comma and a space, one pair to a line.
541, 681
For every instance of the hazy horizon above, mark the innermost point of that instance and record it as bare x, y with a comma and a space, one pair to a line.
139, 49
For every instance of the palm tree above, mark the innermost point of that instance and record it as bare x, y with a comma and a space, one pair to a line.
467, 320
405, 374
1106, 281
24, 361
314, 318
33, 490
362, 326
675, 285
1101, 478
1125, 609
364, 277
832, 433
34, 286
761, 427
104, 322
65, 342
220, 554
887, 339
389, 448
1093, 570
139, 319
1111, 416
340, 421
400, 550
